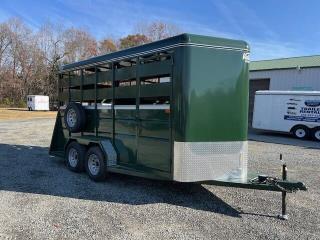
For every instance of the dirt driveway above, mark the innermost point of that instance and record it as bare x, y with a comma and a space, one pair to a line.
41, 199
22, 114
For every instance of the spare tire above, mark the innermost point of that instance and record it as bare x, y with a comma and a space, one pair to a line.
75, 117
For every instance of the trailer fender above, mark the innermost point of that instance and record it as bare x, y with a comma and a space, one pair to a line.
110, 152
107, 148
70, 140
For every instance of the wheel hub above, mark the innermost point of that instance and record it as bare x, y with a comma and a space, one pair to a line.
94, 164
73, 157
300, 133
71, 117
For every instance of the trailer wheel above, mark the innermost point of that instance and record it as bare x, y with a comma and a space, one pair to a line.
301, 132
75, 154
316, 133
95, 164
74, 117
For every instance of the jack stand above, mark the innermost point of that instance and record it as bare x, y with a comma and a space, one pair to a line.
284, 215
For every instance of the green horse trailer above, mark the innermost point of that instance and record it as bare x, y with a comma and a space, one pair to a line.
175, 109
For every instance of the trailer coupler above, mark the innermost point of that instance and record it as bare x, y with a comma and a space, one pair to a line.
264, 182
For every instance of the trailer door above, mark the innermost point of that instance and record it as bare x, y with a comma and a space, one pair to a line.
143, 128
154, 146
154, 120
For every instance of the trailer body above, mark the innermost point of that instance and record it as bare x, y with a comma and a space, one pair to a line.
286, 111
38, 103
173, 109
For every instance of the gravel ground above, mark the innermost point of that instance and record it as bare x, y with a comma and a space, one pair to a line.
41, 199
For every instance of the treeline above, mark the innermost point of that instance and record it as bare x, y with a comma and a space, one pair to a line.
29, 59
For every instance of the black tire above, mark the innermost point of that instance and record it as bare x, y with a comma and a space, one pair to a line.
74, 157
316, 133
301, 131
95, 164
75, 117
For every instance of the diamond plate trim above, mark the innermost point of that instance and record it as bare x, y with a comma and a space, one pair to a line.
204, 161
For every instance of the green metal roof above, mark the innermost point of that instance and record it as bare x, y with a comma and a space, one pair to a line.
286, 63
158, 46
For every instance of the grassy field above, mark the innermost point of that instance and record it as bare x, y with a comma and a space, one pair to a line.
22, 113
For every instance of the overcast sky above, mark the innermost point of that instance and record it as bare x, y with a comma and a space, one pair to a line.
273, 28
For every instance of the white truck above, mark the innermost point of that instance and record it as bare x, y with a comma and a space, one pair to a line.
296, 112
38, 103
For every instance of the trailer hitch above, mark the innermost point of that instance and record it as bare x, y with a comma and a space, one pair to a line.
267, 183
283, 185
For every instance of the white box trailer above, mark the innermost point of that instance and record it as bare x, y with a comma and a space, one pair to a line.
38, 103
296, 112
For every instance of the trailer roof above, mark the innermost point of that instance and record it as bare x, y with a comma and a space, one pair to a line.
286, 63
168, 43
309, 93
37, 96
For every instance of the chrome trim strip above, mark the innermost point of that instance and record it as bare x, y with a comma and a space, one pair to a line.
157, 50
127, 107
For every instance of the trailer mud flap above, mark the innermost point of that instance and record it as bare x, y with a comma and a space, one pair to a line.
58, 140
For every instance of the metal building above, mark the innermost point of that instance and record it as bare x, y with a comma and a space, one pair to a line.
297, 73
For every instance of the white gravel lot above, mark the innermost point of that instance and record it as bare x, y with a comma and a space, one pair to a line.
41, 199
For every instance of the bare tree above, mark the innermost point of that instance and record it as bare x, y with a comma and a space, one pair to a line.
79, 45
52, 52
5, 41
157, 30
107, 46
20, 61
29, 60
133, 40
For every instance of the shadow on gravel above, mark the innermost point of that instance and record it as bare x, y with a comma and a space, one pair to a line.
18, 109
30, 169
260, 215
